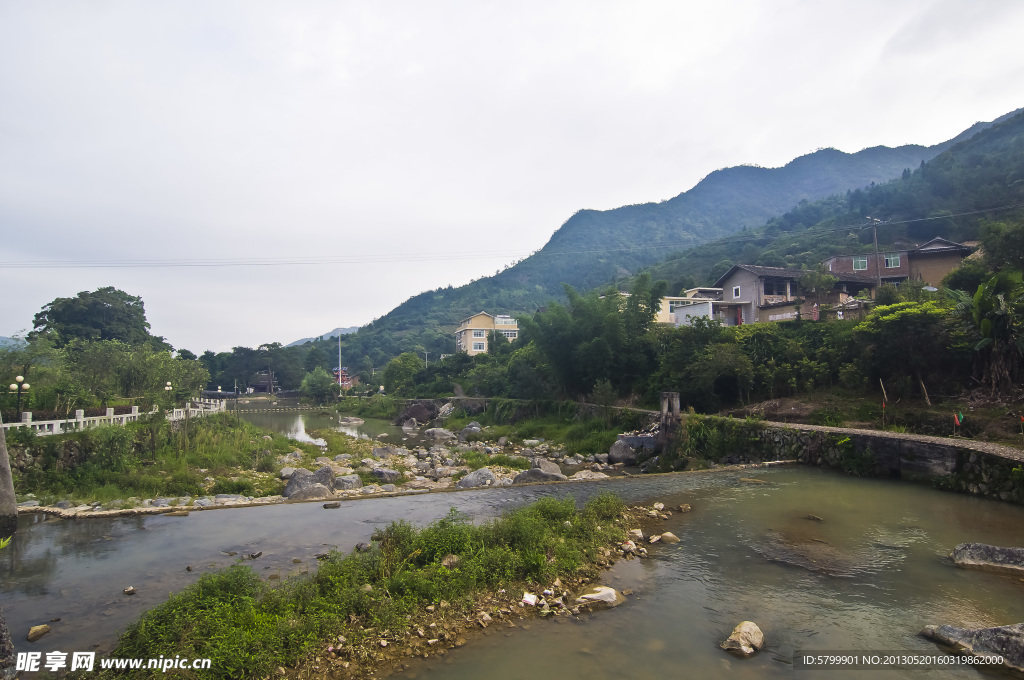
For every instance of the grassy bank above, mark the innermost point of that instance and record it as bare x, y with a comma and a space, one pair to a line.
249, 627
578, 429
377, 406
211, 455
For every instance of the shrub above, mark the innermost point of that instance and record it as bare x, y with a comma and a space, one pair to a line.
242, 487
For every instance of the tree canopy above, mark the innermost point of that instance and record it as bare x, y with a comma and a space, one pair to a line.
104, 314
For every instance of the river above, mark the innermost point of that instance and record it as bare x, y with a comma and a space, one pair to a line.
880, 549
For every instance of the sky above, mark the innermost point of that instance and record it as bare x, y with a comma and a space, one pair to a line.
267, 171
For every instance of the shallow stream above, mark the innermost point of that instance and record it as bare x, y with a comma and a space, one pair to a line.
868, 576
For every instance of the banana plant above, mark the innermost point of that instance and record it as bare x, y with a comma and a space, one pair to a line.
994, 321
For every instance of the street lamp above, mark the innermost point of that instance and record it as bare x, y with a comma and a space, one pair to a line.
20, 387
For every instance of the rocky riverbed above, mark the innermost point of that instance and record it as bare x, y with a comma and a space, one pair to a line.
440, 463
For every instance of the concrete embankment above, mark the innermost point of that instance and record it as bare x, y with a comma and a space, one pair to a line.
979, 468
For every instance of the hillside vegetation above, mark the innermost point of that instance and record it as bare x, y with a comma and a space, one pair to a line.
595, 247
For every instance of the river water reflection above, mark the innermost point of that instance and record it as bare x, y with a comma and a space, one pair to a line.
874, 572
297, 424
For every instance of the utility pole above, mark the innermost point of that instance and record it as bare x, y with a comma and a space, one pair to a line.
426, 364
878, 266
339, 358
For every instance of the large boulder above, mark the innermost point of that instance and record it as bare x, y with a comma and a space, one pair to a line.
421, 412
302, 479
989, 558
537, 475
481, 477
387, 475
746, 639
310, 492
299, 479
621, 452
585, 475
1004, 641
546, 465
347, 482
325, 475
438, 433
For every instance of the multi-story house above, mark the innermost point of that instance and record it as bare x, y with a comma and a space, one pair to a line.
758, 293
928, 263
472, 334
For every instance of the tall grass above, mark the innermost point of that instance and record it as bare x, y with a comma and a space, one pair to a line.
248, 628
156, 458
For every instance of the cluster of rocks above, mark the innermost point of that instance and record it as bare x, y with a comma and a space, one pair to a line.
438, 464
1004, 642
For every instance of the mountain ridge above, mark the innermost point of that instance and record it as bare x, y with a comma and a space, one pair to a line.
593, 248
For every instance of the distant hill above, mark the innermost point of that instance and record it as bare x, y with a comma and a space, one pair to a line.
596, 247
5, 341
949, 196
326, 336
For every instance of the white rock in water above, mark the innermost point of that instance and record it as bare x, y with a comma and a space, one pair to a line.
603, 594
669, 537
746, 639
659, 506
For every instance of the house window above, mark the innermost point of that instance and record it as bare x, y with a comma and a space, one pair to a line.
511, 335
479, 334
860, 263
892, 260
478, 347
735, 291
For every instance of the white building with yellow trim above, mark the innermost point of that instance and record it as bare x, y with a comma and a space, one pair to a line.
472, 334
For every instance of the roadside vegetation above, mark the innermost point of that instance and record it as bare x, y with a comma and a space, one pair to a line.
360, 603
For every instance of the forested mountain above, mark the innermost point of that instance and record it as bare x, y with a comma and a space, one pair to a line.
595, 248
976, 183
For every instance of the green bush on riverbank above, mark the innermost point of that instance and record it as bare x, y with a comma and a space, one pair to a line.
153, 458
248, 628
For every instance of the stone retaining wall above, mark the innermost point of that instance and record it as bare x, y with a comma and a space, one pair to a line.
978, 468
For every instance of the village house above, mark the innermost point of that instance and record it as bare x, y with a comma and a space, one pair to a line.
342, 377
759, 294
472, 334
928, 263
695, 303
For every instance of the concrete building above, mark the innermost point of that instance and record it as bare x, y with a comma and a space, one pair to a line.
928, 263
472, 334
760, 294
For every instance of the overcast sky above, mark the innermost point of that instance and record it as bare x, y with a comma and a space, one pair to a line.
410, 145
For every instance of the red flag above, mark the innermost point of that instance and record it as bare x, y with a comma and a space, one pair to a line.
956, 420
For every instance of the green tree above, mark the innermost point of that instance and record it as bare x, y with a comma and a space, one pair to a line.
818, 281
319, 387
906, 339
397, 376
968, 276
1003, 243
104, 314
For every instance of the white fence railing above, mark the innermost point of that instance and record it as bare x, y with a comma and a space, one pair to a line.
196, 408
